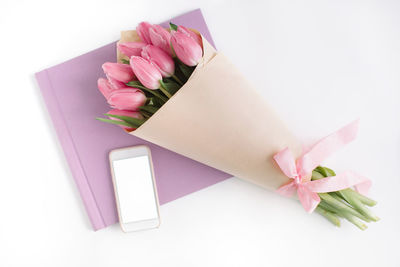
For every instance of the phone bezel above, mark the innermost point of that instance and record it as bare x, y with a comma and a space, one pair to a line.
131, 152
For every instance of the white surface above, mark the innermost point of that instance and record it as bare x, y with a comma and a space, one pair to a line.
319, 63
135, 190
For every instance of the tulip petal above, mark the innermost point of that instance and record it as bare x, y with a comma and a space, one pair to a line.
186, 49
146, 73
143, 31
118, 71
160, 59
127, 99
160, 37
131, 48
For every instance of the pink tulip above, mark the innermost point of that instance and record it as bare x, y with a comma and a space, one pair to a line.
115, 84
127, 99
105, 87
128, 113
191, 34
161, 60
146, 72
160, 37
186, 49
143, 31
131, 48
118, 71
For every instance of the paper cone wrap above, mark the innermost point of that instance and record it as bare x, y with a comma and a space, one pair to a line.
219, 119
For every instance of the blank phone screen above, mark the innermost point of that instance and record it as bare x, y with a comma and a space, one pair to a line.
135, 189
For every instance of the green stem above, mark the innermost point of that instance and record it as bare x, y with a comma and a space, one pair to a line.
329, 208
333, 218
365, 200
162, 88
137, 84
355, 200
355, 221
357, 204
177, 79
344, 214
335, 202
154, 92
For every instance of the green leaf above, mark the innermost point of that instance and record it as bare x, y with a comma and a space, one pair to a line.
164, 90
173, 51
136, 84
148, 92
145, 114
155, 101
125, 61
186, 70
156, 94
150, 109
132, 121
322, 171
316, 175
173, 26
171, 86
116, 122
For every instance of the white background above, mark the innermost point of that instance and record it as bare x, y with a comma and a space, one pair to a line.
320, 64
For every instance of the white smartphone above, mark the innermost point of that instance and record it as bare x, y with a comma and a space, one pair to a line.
135, 188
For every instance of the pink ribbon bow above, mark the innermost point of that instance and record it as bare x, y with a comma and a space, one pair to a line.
300, 171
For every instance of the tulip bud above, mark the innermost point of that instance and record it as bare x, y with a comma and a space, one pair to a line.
160, 37
118, 71
143, 31
115, 84
127, 99
186, 49
191, 34
131, 48
132, 114
161, 60
146, 72
105, 87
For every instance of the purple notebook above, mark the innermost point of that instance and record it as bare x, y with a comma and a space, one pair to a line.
73, 101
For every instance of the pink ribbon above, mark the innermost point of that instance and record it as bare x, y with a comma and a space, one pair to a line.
300, 171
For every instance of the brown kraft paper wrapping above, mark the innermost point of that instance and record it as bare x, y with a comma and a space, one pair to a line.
219, 119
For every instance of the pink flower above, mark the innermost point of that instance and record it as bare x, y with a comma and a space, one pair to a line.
115, 84
143, 31
186, 49
105, 87
128, 113
160, 37
146, 72
191, 34
126, 99
131, 48
161, 60
118, 71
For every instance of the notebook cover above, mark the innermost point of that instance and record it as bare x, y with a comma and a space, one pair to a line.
73, 101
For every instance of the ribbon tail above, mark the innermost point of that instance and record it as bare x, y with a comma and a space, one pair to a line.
326, 147
363, 187
308, 199
341, 181
287, 189
286, 162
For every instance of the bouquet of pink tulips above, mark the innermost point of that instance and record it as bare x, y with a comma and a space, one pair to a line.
172, 88
157, 67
